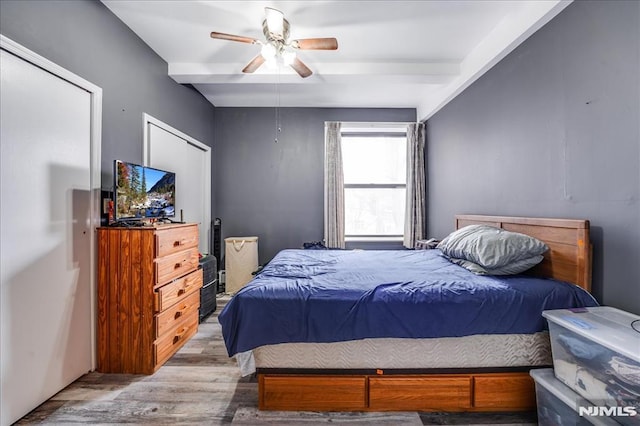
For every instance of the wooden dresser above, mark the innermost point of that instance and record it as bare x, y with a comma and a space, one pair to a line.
148, 295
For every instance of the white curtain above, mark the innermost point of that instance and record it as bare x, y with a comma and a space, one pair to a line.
414, 222
333, 187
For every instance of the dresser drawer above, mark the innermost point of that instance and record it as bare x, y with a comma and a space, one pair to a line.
168, 295
169, 318
419, 393
168, 344
315, 393
498, 392
175, 265
174, 240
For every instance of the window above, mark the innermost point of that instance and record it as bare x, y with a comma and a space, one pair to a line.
374, 163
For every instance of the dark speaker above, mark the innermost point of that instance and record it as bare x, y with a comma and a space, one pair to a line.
217, 246
208, 303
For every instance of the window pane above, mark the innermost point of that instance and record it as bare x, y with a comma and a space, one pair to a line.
374, 211
374, 159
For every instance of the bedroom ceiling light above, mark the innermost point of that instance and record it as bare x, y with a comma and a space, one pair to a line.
268, 51
288, 57
275, 22
277, 48
275, 54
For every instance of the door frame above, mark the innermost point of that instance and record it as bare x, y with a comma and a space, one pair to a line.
146, 154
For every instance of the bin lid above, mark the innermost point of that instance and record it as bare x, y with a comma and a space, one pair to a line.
605, 325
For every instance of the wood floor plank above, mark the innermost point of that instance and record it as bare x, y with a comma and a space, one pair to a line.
89, 392
138, 412
189, 392
252, 416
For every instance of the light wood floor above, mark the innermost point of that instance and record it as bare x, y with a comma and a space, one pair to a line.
200, 385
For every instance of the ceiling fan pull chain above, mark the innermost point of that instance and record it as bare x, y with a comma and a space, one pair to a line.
278, 128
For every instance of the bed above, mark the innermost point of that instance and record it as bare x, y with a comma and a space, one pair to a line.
314, 346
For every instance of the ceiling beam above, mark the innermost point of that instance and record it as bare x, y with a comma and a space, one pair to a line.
426, 73
499, 43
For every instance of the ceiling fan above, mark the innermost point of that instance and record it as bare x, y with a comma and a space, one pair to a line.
277, 45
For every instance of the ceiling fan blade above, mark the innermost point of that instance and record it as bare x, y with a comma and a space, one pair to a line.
275, 21
254, 64
301, 68
241, 39
315, 44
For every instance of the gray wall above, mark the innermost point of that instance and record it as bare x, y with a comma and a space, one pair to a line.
84, 37
553, 130
275, 190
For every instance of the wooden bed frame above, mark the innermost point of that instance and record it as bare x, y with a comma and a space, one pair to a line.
508, 389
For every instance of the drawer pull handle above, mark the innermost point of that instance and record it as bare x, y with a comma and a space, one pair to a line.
180, 312
177, 266
179, 335
179, 243
182, 291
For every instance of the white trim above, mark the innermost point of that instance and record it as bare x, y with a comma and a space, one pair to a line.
378, 239
399, 131
147, 119
373, 127
95, 160
146, 154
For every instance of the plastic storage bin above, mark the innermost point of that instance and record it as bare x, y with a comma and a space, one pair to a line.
596, 353
241, 260
559, 405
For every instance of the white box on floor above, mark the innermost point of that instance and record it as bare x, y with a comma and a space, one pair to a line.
596, 352
559, 406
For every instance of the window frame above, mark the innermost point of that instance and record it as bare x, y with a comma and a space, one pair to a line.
374, 130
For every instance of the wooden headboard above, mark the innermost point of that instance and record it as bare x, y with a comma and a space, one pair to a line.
569, 254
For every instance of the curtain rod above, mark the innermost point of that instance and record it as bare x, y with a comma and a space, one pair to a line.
375, 123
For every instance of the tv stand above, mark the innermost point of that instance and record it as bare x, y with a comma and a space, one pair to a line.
166, 219
127, 224
144, 223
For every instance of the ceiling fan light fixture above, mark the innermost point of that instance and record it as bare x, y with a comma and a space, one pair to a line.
268, 51
288, 57
275, 21
277, 49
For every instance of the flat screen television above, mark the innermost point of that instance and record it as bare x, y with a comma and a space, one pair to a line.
143, 192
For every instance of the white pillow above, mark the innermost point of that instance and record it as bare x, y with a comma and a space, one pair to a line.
491, 248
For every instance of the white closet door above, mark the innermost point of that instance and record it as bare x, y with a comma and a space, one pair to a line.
169, 151
45, 278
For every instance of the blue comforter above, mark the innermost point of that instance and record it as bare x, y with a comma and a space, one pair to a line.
336, 295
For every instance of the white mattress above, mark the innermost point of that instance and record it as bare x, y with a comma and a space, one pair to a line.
478, 351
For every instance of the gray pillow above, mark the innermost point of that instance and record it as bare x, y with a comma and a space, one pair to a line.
511, 269
491, 248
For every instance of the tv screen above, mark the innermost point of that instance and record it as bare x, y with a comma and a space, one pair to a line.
143, 192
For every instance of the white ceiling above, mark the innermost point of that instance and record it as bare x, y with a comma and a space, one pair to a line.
392, 54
